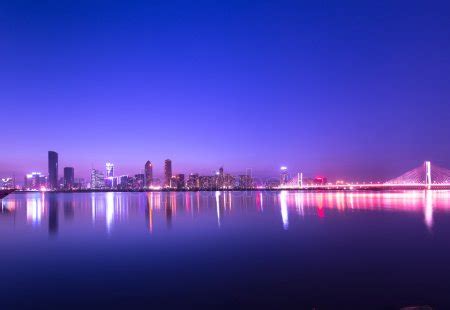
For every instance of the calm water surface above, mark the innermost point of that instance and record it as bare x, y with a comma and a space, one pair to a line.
225, 249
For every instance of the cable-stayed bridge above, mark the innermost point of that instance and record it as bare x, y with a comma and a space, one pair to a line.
426, 176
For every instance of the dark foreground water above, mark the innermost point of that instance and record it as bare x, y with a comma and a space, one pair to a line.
221, 249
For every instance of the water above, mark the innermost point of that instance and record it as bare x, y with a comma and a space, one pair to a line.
225, 249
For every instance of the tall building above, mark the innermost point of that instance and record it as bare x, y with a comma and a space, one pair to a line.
178, 181
97, 179
245, 182
229, 181
167, 172
80, 183
208, 182
220, 178
109, 170
123, 182
53, 170
148, 173
193, 182
139, 181
112, 182
284, 175
69, 177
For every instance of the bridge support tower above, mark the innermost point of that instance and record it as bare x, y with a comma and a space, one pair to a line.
300, 179
428, 174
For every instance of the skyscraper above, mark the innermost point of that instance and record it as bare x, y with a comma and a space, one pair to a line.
193, 181
220, 178
53, 169
284, 176
109, 170
69, 177
97, 179
139, 181
179, 181
148, 173
167, 172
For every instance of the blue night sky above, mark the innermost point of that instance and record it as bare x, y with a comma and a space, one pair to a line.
346, 89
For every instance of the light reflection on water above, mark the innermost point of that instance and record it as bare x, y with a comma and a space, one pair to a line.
108, 209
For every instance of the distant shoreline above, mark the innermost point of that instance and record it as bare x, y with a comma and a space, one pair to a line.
364, 189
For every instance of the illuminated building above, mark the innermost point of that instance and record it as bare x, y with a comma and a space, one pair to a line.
228, 181
245, 182
167, 172
148, 174
139, 181
173, 182
7, 183
80, 183
284, 176
220, 178
178, 181
53, 170
271, 183
97, 179
35, 181
69, 177
193, 182
112, 182
109, 170
123, 182
126, 182
115, 182
207, 182
61, 182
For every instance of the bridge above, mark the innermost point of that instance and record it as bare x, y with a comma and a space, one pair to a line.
426, 176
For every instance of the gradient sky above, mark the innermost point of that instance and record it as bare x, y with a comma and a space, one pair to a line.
341, 88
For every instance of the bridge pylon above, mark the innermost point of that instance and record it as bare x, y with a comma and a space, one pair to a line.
300, 180
428, 174
425, 176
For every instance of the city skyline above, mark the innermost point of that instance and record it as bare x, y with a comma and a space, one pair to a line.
163, 175
425, 176
311, 86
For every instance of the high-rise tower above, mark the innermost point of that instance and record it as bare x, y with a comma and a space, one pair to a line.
284, 176
148, 173
53, 169
167, 172
97, 179
69, 177
109, 170
220, 178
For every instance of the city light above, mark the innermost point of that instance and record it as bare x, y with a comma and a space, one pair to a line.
426, 176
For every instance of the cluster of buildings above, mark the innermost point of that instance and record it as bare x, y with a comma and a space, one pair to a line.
107, 179
171, 181
39, 181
